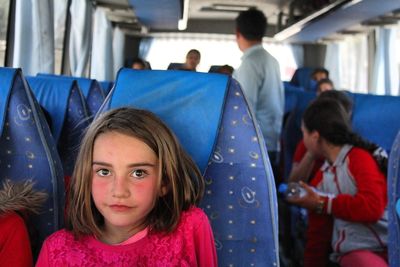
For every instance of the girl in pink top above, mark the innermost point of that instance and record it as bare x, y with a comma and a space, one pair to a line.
132, 200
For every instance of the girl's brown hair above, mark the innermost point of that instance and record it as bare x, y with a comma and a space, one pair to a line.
178, 173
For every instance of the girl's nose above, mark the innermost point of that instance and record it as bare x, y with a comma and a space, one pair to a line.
120, 187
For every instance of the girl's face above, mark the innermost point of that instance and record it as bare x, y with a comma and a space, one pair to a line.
311, 140
125, 182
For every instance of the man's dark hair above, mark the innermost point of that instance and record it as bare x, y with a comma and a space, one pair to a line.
252, 24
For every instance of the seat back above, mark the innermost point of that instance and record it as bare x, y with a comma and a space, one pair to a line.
175, 66
106, 86
28, 150
64, 101
210, 117
376, 118
394, 197
90, 88
291, 134
302, 78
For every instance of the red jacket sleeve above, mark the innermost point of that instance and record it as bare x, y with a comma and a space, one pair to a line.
15, 249
300, 151
368, 204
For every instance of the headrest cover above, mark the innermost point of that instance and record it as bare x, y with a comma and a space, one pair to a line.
190, 103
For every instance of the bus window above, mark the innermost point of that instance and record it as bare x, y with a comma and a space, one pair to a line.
214, 49
4, 13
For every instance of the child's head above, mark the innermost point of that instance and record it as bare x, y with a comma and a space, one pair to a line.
327, 119
324, 85
137, 146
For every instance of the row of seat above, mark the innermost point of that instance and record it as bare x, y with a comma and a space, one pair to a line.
208, 113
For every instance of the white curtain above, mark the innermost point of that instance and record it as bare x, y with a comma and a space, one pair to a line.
118, 50
332, 63
34, 36
102, 65
79, 42
298, 54
385, 76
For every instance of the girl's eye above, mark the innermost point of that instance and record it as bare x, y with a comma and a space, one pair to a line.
103, 172
139, 173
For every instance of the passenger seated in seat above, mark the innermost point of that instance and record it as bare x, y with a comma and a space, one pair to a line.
225, 69
133, 199
305, 164
319, 74
138, 64
192, 60
351, 188
17, 202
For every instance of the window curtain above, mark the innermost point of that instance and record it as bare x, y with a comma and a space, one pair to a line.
144, 47
332, 63
79, 42
298, 54
34, 36
385, 76
102, 65
118, 50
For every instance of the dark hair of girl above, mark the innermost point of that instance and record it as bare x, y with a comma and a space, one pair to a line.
332, 122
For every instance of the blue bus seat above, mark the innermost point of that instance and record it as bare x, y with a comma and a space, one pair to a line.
214, 68
28, 150
376, 118
63, 100
302, 78
106, 86
91, 90
175, 66
394, 197
291, 133
210, 111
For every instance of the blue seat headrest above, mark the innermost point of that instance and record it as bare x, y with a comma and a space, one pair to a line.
168, 93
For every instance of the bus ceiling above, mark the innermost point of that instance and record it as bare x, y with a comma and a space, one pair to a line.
295, 21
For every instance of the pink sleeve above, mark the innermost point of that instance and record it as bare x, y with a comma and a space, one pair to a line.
368, 204
43, 260
204, 243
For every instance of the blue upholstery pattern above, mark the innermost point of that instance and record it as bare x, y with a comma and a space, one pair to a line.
62, 98
376, 118
240, 197
394, 197
93, 94
28, 150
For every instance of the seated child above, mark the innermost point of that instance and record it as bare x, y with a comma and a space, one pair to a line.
132, 199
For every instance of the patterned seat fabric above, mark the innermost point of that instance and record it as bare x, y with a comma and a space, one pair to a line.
394, 197
28, 150
210, 117
106, 86
63, 100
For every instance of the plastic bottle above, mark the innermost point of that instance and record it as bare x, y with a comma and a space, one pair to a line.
290, 190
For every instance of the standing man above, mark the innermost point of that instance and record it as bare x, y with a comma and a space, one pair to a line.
259, 76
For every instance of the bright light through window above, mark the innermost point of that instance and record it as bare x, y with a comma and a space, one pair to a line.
214, 49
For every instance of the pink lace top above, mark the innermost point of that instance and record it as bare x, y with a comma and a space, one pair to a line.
191, 244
